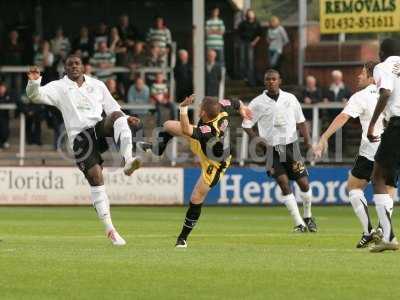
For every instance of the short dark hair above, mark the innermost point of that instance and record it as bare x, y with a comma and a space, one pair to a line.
211, 107
73, 56
272, 71
390, 47
369, 67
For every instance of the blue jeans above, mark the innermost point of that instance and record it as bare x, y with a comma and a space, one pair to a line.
247, 62
273, 58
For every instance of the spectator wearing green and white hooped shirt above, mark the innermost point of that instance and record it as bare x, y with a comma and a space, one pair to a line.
215, 30
159, 35
160, 96
103, 59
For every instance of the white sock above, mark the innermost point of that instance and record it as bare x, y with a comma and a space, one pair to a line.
384, 205
360, 207
102, 205
291, 204
123, 137
306, 197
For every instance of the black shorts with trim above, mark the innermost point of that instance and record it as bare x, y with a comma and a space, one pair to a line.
286, 159
388, 153
89, 145
362, 168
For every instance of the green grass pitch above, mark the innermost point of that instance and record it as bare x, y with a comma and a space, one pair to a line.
234, 253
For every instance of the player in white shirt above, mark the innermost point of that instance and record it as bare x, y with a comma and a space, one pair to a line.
277, 115
360, 105
387, 157
82, 100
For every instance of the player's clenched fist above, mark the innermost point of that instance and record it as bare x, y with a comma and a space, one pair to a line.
188, 101
33, 73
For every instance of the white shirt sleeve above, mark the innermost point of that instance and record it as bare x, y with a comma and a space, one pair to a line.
109, 103
299, 116
47, 94
256, 115
354, 107
383, 79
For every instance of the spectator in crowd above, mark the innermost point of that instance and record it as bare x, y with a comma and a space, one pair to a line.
160, 97
101, 35
311, 93
277, 39
139, 92
249, 32
5, 98
154, 58
183, 73
337, 91
83, 43
117, 46
44, 59
12, 54
104, 60
112, 87
127, 32
33, 48
159, 35
60, 45
213, 74
215, 30
88, 70
136, 56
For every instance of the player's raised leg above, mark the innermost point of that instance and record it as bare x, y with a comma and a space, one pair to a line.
290, 202
117, 125
101, 203
193, 213
306, 197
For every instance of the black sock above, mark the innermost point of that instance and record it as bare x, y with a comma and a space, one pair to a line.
192, 215
162, 142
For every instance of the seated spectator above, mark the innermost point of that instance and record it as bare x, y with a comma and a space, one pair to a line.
83, 43
136, 56
311, 93
154, 57
112, 87
160, 97
5, 98
183, 73
337, 91
88, 70
139, 92
44, 58
103, 59
213, 74
101, 35
60, 45
117, 46
127, 31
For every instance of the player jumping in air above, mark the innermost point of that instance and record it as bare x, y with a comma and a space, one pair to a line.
82, 100
387, 157
209, 140
361, 105
278, 114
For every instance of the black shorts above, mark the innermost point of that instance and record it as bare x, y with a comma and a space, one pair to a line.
388, 153
362, 168
89, 145
286, 159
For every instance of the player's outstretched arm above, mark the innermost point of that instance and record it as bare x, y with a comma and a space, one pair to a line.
384, 95
37, 94
187, 128
305, 134
336, 124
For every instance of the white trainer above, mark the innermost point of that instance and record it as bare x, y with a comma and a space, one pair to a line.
383, 245
115, 238
132, 165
